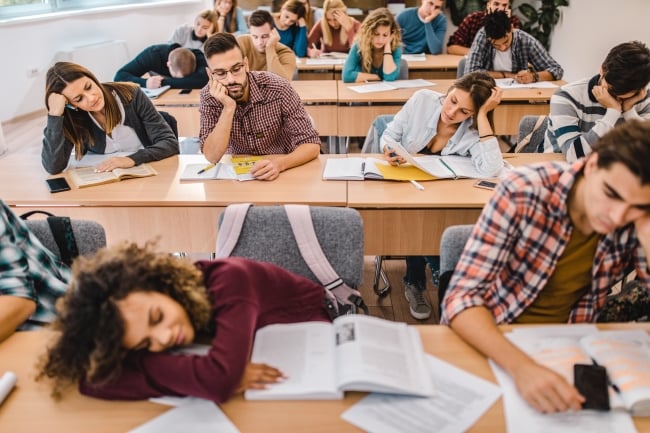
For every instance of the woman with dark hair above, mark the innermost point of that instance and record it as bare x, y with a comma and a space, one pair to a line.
457, 124
292, 27
229, 17
103, 118
128, 306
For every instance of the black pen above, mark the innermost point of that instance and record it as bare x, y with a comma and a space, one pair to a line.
206, 168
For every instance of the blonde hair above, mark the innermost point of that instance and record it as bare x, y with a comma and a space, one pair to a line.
378, 17
331, 6
211, 16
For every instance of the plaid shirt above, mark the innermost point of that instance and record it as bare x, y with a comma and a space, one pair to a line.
273, 121
471, 24
28, 269
518, 240
525, 49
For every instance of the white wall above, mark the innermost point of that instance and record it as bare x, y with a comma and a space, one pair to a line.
588, 29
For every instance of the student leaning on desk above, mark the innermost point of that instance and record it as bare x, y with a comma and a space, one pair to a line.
252, 113
127, 306
89, 116
547, 248
455, 125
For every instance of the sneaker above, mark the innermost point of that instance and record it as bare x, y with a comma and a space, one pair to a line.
418, 305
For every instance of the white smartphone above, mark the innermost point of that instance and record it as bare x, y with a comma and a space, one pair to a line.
485, 184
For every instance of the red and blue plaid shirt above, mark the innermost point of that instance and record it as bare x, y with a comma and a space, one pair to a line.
471, 24
273, 121
518, 240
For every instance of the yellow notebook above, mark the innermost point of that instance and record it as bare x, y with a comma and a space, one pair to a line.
356, 168
243, 163
83, 177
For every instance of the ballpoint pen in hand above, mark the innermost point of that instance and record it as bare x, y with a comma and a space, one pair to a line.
206, 168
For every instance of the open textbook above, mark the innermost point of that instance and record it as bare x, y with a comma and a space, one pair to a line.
355, 352
356, 168
238, 168
624, 353
87, 176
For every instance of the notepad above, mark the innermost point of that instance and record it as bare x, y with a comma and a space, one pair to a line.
154, 93
419, 57
83, 177
238, 168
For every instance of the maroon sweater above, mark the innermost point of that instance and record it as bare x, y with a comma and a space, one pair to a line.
246, 295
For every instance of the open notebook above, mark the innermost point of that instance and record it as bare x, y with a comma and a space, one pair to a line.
154, 93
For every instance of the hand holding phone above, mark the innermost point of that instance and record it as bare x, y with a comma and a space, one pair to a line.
58, 184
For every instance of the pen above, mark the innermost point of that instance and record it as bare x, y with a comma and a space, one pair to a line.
449, 168
392, 155
206, 168
417, 185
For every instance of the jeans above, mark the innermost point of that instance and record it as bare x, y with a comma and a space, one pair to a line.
416, 270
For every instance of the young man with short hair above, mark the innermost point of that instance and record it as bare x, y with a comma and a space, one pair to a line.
263, 49
461, 40
167, 65
504, 52
423, 28
547, 247
583, 111
253, 113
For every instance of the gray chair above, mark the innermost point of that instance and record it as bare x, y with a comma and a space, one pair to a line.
452, 243
267, 236
461, 67
89, 235
403, 69
531, 139
371, 143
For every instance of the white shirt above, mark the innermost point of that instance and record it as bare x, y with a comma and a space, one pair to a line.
503, 60
123, 138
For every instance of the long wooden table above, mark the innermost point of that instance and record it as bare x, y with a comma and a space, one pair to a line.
357, 110
182, 214
29, 407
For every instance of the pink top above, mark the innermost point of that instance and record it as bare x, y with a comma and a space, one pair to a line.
246, 295
317, 33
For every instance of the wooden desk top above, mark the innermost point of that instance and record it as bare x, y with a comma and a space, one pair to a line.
441, 86
22, 182
437, 194
174, 97
29, 407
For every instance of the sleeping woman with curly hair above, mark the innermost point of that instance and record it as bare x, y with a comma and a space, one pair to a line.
127, 306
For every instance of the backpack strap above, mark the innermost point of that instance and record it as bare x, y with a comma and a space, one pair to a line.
524, 141
230, 228
303, 230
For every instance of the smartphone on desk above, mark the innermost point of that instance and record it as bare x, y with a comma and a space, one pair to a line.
58, 184
185, 92
485, 184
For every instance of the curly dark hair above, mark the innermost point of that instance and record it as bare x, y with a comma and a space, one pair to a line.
91, 329
497, 25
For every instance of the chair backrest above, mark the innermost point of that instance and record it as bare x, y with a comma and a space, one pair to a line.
371, 143
171, 121
403, 69
461, 67
89, 235
531, 140
267, 236
452, 243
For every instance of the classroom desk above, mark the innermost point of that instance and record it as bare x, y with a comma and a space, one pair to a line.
183, 214
29, 407
434, 67
358, 110
319, 98
314, 72
401, 220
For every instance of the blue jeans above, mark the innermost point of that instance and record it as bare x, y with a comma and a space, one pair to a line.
416, 270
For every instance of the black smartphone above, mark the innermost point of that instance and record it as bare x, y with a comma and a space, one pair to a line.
591, 381
185, 91
58, 184
486, 184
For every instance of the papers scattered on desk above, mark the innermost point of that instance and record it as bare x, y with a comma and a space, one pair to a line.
420, 57
509, 83
239, 168
154, 93
325, 61
391, 85
195, 415
462, 399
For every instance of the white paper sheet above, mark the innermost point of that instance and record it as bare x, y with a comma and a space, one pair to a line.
510, 83
461, 399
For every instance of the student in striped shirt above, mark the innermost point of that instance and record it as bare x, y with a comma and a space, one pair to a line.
547, 247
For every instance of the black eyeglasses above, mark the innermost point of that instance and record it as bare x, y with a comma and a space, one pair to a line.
220, 74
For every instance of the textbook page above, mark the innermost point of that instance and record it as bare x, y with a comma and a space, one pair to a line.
379, 355
419, 57
510, 83
91, 159
356, 168
194, 415
304, 352
520, 417
462, 400
626, 355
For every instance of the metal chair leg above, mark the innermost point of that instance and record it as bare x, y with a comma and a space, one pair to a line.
380, 274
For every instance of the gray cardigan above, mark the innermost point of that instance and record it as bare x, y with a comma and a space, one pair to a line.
140, 114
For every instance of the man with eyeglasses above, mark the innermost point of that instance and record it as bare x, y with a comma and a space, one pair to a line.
461, 40
252, 113
263, 49
504, 52
423, 28
583, 111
